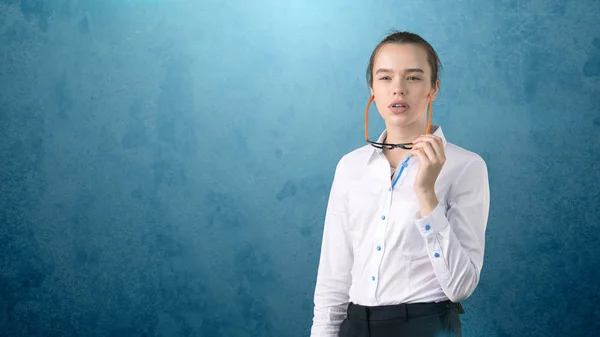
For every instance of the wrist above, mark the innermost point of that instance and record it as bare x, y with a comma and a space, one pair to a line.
428, 201
426, 193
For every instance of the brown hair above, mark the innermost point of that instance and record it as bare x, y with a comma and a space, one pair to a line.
411, 38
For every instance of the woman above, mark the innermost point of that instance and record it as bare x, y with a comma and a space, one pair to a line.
404, 232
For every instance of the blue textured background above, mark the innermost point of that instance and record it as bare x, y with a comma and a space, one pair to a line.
165, 165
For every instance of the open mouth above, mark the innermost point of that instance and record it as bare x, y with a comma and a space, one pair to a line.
399, 104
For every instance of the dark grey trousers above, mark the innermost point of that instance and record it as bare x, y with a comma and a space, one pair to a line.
405, 320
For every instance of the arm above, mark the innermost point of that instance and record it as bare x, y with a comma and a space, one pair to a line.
331, 296
456, 240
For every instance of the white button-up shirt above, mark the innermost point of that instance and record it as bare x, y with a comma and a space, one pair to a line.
378, 250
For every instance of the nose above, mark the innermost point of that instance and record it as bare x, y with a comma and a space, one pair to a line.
400, 89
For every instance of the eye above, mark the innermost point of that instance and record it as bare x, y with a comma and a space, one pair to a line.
384, 78
414, 78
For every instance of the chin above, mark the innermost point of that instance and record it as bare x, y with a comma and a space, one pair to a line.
399, 120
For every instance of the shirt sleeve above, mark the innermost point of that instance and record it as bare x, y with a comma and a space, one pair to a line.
331, 296
455, 237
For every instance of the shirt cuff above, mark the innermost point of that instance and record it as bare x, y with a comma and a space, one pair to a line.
433, 223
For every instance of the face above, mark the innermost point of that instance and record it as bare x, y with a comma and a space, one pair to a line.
401, 85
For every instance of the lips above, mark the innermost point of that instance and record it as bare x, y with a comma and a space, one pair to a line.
398, 106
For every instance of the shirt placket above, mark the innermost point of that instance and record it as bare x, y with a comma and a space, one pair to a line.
379, 236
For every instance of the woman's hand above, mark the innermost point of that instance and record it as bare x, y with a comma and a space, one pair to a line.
430, 151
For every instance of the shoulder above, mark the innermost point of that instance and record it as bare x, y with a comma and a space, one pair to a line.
464, 164
459, 156
354, 161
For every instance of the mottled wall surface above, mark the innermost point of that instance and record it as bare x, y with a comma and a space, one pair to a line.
165, 165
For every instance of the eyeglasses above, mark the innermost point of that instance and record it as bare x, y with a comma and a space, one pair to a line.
406, 146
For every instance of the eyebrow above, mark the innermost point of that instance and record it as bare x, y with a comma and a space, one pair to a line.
411, 70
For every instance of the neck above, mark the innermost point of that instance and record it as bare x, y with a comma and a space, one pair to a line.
397, 135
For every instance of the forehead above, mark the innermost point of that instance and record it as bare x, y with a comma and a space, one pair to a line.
398, 57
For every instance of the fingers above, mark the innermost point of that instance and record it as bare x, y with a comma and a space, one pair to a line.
435, 141
420, 154
433, 147
427, 149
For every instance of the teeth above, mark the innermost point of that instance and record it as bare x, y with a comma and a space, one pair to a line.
399, 106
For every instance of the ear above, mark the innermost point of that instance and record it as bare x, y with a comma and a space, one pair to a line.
372, 93
434, 91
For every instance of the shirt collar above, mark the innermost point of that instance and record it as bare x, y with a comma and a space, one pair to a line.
437, 131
